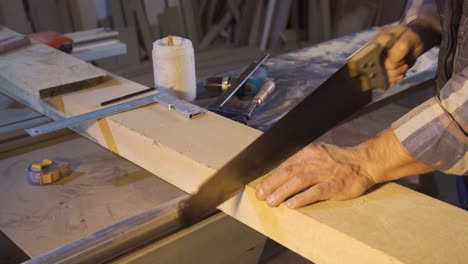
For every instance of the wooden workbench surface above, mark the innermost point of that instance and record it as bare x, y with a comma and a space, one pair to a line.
390, 224
103, 189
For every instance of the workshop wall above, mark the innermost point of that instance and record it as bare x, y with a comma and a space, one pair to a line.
233, 32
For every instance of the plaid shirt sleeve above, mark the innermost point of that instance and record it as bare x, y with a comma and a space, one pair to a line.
422, 9
435, 133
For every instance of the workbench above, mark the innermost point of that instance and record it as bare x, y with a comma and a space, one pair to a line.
106, 189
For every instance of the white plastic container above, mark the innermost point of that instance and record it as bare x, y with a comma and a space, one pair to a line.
174, 67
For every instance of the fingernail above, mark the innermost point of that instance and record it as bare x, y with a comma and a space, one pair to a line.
289, 203
260, 194
270, 200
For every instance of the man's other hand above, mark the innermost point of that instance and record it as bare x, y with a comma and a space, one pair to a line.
419, 38
402, 55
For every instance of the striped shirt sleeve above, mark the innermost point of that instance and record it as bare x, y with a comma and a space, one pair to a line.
435, 133
422, 9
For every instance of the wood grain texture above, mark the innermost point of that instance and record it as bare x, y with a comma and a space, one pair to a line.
45, 67
103, 189
391, 224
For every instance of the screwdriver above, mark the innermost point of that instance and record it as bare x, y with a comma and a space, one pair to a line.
265, 91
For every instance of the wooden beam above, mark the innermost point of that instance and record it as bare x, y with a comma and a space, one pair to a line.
390, 224
145, 28
213, 31
281, 17
271, 6
245, 24
129, 13
75, 14
117, 14
88, 14
256, 25
192, 23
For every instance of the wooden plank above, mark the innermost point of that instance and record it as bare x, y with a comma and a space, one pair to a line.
118, 20
129, 14
129, 37
379, 227
232, 5
214, 30
88, 14
256, 25
282, 12
208, 19
145, 29
192, 25
245, 24
59, 70
75, 13
271, 6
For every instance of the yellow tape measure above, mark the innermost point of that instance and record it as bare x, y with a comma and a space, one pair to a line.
47, 171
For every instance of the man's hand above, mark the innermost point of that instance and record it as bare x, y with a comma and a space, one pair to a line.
316, 173
329, 172
419, 38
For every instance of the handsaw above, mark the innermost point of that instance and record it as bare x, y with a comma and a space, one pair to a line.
343, 94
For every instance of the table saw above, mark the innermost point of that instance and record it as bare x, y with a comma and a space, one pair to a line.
106, 190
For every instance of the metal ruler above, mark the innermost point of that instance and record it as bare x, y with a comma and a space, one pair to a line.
172, 103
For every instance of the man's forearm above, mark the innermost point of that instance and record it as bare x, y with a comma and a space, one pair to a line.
385, 158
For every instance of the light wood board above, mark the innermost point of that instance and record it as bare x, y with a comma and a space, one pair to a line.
44, 67
392, 224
